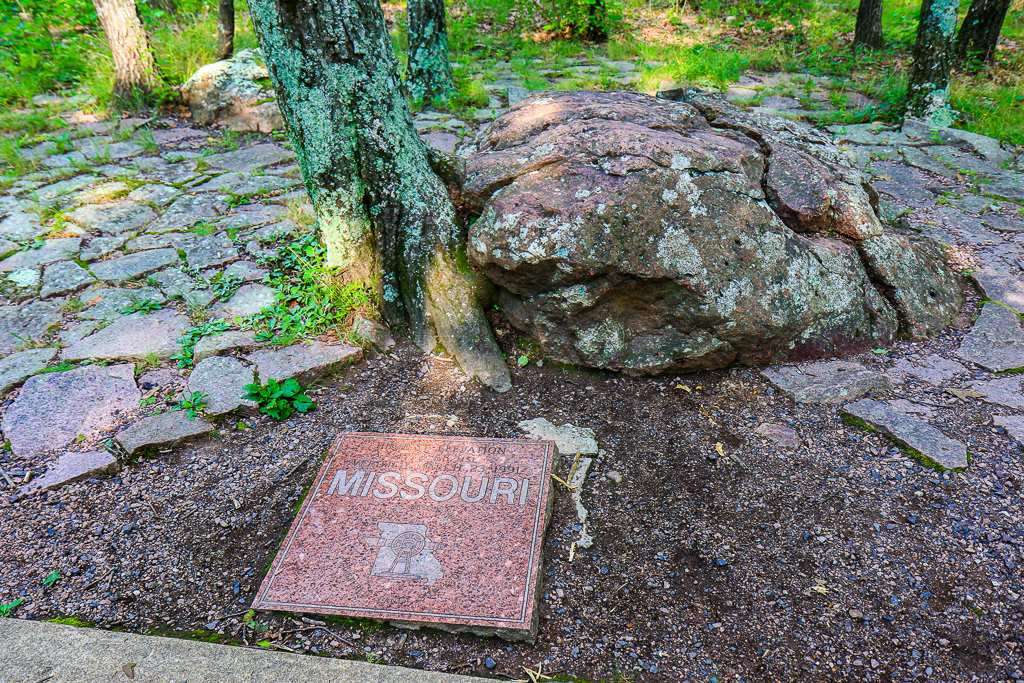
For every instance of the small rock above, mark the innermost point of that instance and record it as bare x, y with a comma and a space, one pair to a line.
230, 92
366, 331
779, 434
614, 476
568, 438
856, 614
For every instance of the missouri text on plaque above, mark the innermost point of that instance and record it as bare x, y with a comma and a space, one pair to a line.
434, 530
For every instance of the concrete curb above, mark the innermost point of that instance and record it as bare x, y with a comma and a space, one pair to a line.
42, 652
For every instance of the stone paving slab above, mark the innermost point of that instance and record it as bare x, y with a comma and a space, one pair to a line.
21, 324
106, 303
1005, 391
73, 467
38, 652
136, 336
113, 218
17, 367
60, 249
64, 277
306, 363
223, 380
250, 158
996, 342
165, 430
135, 265
54, 408
910, 432
247, 301
217, 344
1013, 424
832, 381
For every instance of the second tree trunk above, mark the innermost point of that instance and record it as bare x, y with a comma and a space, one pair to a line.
134, 69
226, 29
928, 88
869, 25
429, 72
980, 31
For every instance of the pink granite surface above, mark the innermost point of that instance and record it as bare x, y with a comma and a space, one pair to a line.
395, 527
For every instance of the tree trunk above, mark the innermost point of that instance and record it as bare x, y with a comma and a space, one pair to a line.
928, 88
980, 31
226, 29
868, 33
134, 69
429, 73
385, 217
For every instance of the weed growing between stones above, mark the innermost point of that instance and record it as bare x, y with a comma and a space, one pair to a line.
278, 400
312, 299
192, 335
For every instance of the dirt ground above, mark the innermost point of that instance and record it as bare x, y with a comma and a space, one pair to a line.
842, 559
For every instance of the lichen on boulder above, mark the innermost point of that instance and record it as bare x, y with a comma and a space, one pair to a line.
644, 235
234, 92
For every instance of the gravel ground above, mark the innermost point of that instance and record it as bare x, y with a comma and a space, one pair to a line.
842, 559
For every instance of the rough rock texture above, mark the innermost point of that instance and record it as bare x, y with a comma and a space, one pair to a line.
54, 408
217, 344
72, 467
643, 235
223, 380
827, 382
137, 336
17, 367
568, 438
304, 362
247, 301
782, 435
911, 432
162, 431
371, 332
235, 92
21, 324
996, 342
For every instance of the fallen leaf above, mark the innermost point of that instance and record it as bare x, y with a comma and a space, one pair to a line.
721, 451
820, 589
683, 387
129, 669
963, 393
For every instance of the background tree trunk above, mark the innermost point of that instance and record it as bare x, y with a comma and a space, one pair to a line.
134, 69
429, 72
980, 31
226, 29
928, 88
385, 217
869, 25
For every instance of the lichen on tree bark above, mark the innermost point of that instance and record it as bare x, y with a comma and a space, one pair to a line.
928, 88
385, 217
429, 72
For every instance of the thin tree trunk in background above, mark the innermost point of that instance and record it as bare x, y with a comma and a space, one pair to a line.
928, 88
383, 214
429, 72
869, 25
134, 69
979, 33
226, 29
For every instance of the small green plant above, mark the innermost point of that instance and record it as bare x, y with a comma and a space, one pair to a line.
250, 620
51, 578
8, 607
192, 335
278, 400
148, 401
224, 287
144, 305
194, 404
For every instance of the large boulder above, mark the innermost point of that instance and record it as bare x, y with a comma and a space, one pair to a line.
234, 92
644, 235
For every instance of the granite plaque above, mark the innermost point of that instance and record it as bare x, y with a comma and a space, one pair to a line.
432, 530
